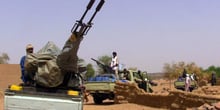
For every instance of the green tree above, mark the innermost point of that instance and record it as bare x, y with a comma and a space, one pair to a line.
213, 68
90, 71
4, 58
106, 60
174, 70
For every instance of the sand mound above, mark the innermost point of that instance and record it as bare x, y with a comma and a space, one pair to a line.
130, 93
208, 90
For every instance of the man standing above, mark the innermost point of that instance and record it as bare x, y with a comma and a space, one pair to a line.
24, 76
187, 83
213, 79
114, 64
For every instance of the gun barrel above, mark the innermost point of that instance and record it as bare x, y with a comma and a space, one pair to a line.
97, 9
105, 68
99, 63
100, 5
76, 26
89, 24
84, 28
94, 59
90, 4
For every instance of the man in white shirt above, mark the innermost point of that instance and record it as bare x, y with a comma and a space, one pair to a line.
114, 64
187, 83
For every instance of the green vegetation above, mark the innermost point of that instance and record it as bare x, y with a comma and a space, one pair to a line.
90, 71
4, 58
212, 69
174, 70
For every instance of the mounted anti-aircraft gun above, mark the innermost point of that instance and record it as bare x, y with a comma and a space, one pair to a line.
106, 68
63, 68
53, 70
56, 78
68, 59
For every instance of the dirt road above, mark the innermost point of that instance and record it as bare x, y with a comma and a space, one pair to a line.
109, 105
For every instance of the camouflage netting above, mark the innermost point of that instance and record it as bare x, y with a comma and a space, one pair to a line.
130, 93
42, 67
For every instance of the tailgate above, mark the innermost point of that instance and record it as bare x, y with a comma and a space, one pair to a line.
100, 86
26, 101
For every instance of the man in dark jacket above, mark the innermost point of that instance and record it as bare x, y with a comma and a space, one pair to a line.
213, 79
24, 76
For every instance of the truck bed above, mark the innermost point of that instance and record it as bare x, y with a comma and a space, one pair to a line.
102, 83
31, 98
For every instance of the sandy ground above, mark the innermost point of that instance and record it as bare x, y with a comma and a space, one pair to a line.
109, 105
10, 74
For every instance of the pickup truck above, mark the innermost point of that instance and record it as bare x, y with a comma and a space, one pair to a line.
32, 98
180, 84
101, 87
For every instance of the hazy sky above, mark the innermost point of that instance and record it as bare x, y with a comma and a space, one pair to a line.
145, 33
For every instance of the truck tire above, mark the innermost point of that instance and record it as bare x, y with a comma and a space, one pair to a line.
97, 99
191, 89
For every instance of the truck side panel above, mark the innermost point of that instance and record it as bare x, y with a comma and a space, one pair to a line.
100, 86
22, 102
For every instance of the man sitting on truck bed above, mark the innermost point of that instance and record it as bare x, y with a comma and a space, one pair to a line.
126, 74
25, 77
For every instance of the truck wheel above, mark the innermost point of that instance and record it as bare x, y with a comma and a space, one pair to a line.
191, 89
97, 100
183, 89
